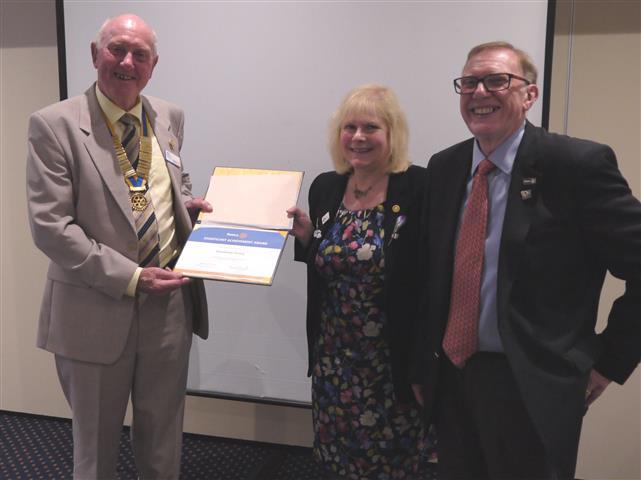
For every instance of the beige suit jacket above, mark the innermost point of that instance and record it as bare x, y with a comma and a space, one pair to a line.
81, 218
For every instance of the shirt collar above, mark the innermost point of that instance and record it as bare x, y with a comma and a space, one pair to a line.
112, 111
503, 157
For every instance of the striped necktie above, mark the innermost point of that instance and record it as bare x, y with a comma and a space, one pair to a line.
130, 138
145, 220
461, 333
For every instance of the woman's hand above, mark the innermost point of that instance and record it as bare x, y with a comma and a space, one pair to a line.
302, 228
195, 205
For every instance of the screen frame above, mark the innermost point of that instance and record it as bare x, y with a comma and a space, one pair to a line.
545, 114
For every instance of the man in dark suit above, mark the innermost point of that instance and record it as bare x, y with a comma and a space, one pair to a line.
520, 228
108, 204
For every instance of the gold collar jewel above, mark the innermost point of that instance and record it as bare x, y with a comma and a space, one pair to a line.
136, 179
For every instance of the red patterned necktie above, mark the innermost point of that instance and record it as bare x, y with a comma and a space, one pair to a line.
460, 340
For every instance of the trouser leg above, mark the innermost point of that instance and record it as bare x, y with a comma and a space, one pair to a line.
511, 445
158, 394
485, 431
459, 452
97, 395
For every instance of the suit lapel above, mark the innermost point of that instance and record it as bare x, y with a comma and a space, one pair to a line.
448, 190
162, 129
455, 192
100, 148
523, 196
168, 142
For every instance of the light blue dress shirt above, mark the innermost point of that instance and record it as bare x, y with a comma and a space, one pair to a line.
498, 184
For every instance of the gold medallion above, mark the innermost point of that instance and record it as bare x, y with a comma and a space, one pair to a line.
138, 201
135, 179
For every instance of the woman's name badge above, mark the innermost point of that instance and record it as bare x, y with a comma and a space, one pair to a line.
317, 233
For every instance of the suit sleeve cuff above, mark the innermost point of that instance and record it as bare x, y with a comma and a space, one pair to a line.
133, 283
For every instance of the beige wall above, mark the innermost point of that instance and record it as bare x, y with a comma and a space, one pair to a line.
601, 42
602, 106
29, 80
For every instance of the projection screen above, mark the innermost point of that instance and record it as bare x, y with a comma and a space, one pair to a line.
259, 82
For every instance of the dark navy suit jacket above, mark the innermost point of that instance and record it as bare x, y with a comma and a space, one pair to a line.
580, 221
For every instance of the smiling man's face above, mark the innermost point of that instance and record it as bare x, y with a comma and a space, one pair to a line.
493, 116
125, 58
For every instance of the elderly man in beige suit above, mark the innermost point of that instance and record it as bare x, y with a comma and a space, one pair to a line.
110, 204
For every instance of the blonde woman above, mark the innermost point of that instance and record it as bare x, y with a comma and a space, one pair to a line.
360, 242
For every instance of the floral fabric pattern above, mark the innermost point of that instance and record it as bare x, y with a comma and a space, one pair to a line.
361, 432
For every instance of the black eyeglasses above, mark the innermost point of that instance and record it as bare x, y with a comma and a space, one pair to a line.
494, 82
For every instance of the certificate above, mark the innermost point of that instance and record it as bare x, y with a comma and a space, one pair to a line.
252, 197
223, 252
243, 238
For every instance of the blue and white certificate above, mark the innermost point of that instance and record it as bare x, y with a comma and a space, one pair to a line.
242, 239
235, 254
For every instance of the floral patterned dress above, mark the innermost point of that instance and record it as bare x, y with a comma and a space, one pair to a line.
361, 432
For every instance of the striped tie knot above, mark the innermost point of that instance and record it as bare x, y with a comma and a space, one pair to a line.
130, 137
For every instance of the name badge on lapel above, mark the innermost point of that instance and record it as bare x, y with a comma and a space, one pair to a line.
172, 158
529, 186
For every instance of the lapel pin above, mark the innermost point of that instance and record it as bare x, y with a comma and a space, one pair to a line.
400, 221
396, 208
325, 217
529, 181
526, 194
172, 144
317, 232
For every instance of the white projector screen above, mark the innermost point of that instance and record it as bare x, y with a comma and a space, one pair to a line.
258, 82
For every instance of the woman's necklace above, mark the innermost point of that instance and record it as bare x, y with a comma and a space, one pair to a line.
359, 193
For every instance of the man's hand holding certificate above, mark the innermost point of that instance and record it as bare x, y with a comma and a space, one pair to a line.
242, 239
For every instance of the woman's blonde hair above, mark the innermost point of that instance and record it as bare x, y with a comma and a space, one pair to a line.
380, 101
